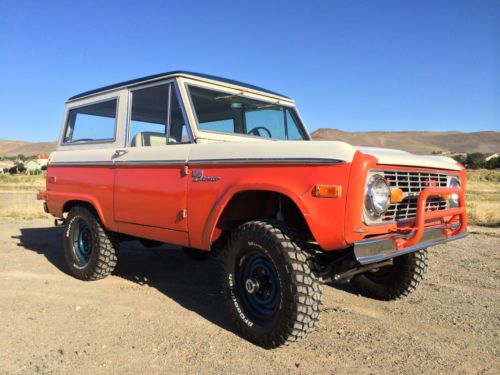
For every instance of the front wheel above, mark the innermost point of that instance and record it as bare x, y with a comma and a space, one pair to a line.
273, 295
395, 281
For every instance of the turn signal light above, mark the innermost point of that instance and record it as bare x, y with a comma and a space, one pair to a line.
327, 191
396, 195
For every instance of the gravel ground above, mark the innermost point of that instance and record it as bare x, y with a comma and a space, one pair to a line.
163, 313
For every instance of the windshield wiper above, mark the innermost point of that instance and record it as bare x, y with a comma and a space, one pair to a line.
270, 105
229, 96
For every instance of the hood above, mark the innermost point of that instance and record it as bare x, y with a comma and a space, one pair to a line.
313, 151
260, 150
397, 157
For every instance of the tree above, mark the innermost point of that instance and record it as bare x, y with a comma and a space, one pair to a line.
475, 160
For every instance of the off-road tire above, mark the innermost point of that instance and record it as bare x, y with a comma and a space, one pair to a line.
395, 281
198, 255
102, 259
300, 289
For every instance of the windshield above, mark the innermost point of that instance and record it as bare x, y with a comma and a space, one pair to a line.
235, 114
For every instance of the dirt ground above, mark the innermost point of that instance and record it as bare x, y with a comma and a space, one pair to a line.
161, 312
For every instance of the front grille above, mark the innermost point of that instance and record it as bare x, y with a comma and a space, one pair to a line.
412, 183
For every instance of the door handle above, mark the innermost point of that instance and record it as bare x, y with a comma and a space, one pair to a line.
119, 153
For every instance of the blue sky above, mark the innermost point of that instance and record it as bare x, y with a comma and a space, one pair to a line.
350, 65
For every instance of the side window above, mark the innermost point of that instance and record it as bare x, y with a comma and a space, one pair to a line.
149, 116
92, 123
150, 120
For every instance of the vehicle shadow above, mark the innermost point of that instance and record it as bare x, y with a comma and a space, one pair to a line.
195, 285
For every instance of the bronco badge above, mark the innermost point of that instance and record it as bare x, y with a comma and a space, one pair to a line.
198, 177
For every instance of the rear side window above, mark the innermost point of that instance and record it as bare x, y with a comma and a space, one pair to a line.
92, 123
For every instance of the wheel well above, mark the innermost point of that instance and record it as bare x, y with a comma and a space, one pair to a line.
70, 204
254, 205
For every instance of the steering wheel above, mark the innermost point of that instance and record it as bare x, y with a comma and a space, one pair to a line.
255, 131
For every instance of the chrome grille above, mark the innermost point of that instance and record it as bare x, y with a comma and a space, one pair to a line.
412, 183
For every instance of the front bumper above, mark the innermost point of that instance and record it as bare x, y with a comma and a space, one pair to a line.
381, 248
395, 244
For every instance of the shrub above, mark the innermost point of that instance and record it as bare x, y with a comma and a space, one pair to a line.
475, 160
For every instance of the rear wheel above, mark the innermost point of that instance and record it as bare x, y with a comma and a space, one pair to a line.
273, 295
89, 250
395, 281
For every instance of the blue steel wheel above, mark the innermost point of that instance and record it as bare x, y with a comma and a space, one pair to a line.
259, 285
82, 241
89, 249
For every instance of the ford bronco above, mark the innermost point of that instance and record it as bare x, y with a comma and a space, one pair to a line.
219, 166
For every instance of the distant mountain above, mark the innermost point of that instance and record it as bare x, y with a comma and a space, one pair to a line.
14, 148
422, 142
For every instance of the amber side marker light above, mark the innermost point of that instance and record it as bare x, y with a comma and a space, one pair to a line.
327, 191
396, 195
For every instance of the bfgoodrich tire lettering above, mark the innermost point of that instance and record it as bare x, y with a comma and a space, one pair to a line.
396, 281
89, 250
285, 304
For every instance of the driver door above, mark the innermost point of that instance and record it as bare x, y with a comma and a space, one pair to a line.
150, 186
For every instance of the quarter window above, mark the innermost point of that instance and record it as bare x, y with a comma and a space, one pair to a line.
92, 123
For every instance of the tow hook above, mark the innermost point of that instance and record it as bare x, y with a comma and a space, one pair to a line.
58, 222
346, 276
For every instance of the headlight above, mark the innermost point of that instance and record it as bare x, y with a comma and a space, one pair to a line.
378, 196
454, 199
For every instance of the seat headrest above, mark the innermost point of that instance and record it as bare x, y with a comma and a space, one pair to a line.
142, 139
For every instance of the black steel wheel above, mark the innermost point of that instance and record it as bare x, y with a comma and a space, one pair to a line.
273, 295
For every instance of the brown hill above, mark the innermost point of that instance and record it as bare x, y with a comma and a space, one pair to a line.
422, 142
14, 148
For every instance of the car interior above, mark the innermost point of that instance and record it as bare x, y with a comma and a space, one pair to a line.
149, 117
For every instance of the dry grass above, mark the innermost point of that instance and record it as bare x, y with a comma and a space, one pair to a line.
483, 197
21, 182
21, 206
18, 197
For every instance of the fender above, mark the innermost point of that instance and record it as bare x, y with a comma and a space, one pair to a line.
208, 234
56, 201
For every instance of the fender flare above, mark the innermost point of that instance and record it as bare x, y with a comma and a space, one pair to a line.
231, 192
63, 199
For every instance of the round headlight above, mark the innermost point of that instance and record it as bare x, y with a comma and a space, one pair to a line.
378, 196
454, 199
